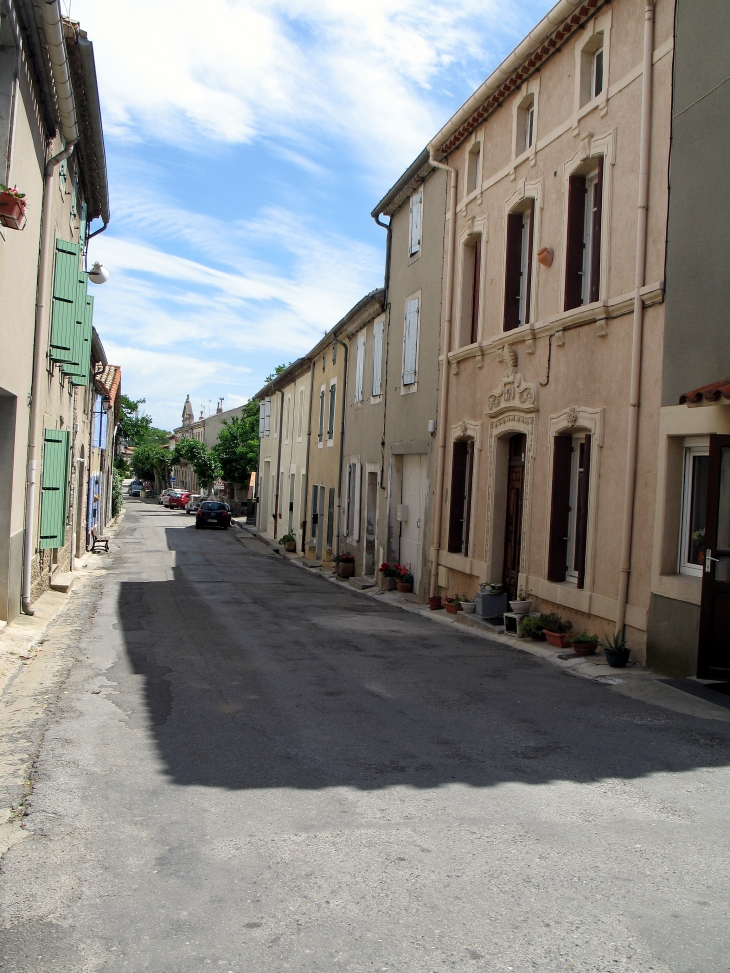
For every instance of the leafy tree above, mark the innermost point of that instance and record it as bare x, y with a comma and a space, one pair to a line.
117, 493
204, 463
151, 462
136, 427
237, 446
277, 371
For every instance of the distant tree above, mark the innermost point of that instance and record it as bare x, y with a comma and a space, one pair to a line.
237, 446
136, 427
204, 463
151, 462
277, 371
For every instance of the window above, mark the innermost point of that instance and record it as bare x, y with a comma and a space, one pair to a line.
321, 415
475, 290
569, 508
518, 268
287, 418
315, 514
583, 244
592, 69
352, 501
525, 133
414, 245
359, 366
462, 466
473, 166
597, 73
378, 329
300, 420
330, 516
410, 342
264, 418
331, 421
694, 509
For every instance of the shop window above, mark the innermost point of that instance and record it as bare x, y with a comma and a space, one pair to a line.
694, 509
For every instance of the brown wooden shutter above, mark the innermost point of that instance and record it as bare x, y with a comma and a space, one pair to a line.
582, 520
574, 244
467, 499
458, 486
528, 283
560, 508
512, 272
475, 291
596, 242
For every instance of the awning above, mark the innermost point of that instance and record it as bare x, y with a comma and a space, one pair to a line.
717, 392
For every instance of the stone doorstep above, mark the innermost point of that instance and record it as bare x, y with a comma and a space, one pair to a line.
63, 581
361, 583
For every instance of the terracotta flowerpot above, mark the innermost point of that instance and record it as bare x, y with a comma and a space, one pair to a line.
584, 648
290, 546
345, 569
559, 639
451, 609
545, 256
435, 603
12, 211
404, 588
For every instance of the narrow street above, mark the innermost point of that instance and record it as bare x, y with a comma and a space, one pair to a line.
248, 768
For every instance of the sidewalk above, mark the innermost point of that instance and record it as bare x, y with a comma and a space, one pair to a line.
634, 680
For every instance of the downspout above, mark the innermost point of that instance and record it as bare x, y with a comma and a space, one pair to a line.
257, 489
305, 511
636, 341
445, 372
342, 447
386, 308
278, 463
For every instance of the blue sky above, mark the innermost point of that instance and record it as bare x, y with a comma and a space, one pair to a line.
247, 143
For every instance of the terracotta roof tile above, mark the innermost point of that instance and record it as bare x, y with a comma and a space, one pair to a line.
708, 393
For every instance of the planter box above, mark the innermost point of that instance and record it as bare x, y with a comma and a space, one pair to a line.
387, 584
345, 570
12, 211
290, 546
404, 588
490, 606
451, 609
559, 639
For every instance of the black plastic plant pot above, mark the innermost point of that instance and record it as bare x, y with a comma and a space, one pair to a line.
617, 658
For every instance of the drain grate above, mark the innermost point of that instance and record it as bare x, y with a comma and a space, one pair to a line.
717, 693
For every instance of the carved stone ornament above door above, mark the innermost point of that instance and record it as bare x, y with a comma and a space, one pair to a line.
513, 392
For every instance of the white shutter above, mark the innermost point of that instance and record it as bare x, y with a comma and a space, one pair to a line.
267, 417
359, 366
261, 420
358, 468
416, 206
377, 356
346, 511
410, 342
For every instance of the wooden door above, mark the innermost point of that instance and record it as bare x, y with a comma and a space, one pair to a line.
414, 486
371, 510
713, 657
513, 524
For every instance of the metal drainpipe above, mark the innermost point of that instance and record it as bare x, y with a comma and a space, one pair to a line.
342, 446
306, 465
636, 342
386, 308
278, 464
444, 383
39, 364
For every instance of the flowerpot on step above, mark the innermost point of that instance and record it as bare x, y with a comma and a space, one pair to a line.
584, 648
559, 639
290, 546
521, 607
404, 588
346, 569
387, 584
617, 658
468, 607
435, 603
452, 609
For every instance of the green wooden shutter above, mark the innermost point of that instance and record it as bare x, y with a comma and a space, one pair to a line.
54, 488
65, 284
78, 370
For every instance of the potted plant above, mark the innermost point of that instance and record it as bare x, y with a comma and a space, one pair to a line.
556, 630
388, 575
345, 565
491, 600
404, 583
12, 207
615, 650
434, 603
452, 605
468, 604
531, 627
583, 643
523, 604
288, 542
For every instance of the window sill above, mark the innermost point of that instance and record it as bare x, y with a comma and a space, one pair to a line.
408, 389
375, 399
678, 587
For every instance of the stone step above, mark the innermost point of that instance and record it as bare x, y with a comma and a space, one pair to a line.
62, 581
361, 583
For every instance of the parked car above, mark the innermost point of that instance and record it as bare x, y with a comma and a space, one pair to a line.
135, 488
166, 498
213, 512
163, 494
194, 502
178, 500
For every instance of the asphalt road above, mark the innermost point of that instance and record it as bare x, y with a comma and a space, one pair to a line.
249, 768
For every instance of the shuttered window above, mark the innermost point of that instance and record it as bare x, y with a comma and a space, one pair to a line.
315, 509
267, 417
321, 414
359, 366
330, 516
261, 420
331, 421
461, 488
583, 243
54, 488
410, 342
569, 509
416, 212
518, 268
560, 508
64, 306
475, 291
378, 329
356, 504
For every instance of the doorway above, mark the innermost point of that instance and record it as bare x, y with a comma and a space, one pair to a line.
320, 521
513, 518
713, 658
412, 512
371, 509
292, 482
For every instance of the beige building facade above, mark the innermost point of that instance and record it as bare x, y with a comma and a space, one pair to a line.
553, 318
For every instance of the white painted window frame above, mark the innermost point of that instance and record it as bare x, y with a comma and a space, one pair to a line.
693, 446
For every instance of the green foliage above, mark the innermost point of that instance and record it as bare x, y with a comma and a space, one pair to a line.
554, 623
277, 371
150, 459
615, 642
136, 427
117, 493
122, 466
287, 539
203, 461
531, 627
583, 638
237, 446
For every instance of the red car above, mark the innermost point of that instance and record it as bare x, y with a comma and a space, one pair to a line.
213, 512
178, 500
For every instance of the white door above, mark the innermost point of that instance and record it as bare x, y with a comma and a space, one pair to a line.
412, 513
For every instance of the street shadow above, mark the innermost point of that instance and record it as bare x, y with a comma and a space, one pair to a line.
256, 674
